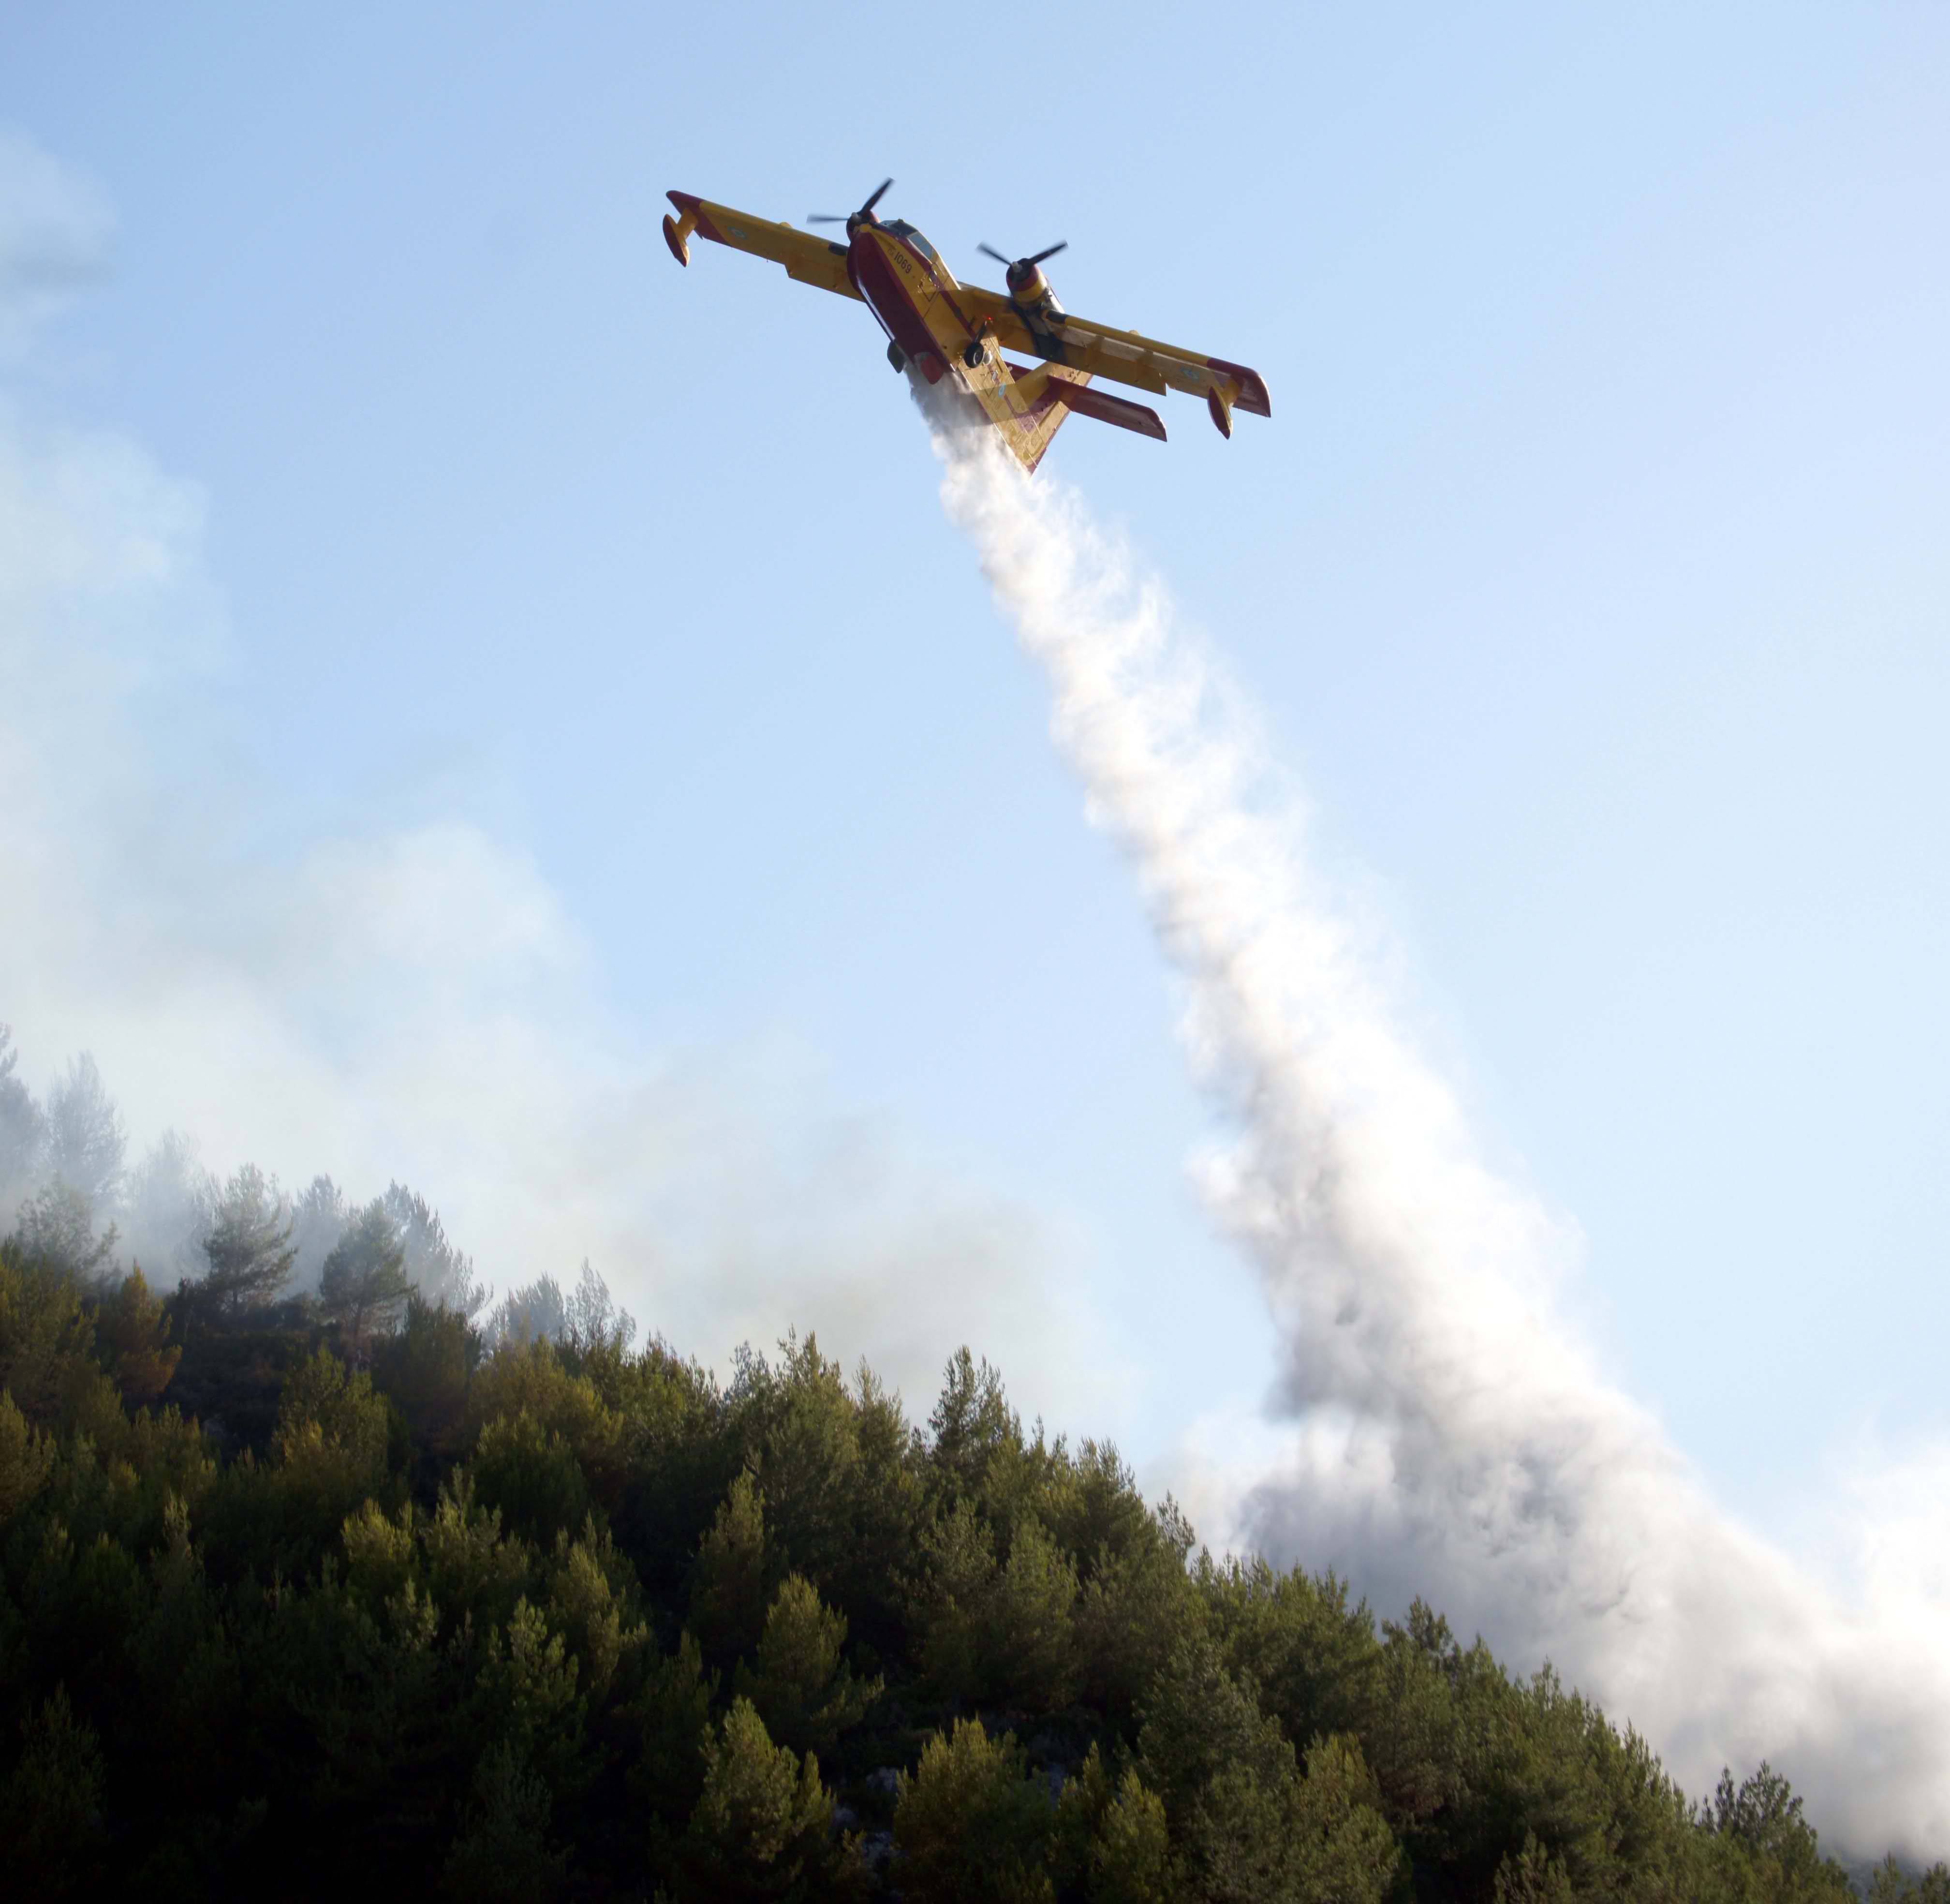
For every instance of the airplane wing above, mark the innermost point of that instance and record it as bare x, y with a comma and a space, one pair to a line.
812, 260
1123, 356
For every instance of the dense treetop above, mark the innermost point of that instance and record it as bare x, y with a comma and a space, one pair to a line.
370, 1585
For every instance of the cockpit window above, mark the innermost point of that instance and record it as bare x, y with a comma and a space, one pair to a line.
900, 228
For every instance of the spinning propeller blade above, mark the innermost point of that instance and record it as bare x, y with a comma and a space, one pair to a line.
1021, 267
847, 218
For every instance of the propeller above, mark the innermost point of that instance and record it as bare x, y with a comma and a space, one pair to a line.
864, 215
1022, 270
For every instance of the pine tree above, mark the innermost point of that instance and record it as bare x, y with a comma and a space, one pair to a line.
132, 1331
727, 1592
249, 1245
84, 1139
759, 1831
973, 1826
804, 1691
364, 1287
51, 1806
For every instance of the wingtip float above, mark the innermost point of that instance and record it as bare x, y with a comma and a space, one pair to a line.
939, 328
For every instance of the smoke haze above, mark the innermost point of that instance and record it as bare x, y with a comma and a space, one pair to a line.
1438, 1428
409, 1001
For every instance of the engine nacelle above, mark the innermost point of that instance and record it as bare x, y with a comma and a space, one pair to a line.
1029, 291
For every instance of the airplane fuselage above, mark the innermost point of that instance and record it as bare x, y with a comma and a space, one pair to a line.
901, 279
904, 283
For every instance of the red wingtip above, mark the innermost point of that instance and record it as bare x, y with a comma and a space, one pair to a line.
1252, 397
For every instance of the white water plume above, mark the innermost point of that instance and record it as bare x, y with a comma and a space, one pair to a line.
1443, 1430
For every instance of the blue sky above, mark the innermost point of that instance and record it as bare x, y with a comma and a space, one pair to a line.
1590, 576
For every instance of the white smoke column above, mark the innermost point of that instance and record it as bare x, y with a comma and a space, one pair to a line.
1448, 1434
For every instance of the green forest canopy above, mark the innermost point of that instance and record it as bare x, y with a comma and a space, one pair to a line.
362, 1586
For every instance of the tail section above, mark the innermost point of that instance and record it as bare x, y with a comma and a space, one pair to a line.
1044, 397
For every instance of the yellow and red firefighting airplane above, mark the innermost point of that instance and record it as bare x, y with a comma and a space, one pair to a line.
937, 327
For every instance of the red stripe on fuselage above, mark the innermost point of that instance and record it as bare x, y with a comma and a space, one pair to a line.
889, 299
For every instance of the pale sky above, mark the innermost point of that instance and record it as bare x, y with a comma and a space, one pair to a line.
592, 631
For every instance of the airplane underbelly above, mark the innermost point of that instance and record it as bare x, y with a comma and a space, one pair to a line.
902, 315
990, 383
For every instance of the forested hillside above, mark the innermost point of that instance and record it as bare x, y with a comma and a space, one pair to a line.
356, 1588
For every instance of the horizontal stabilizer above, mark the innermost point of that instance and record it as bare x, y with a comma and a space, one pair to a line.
1087, 402
1051, 384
